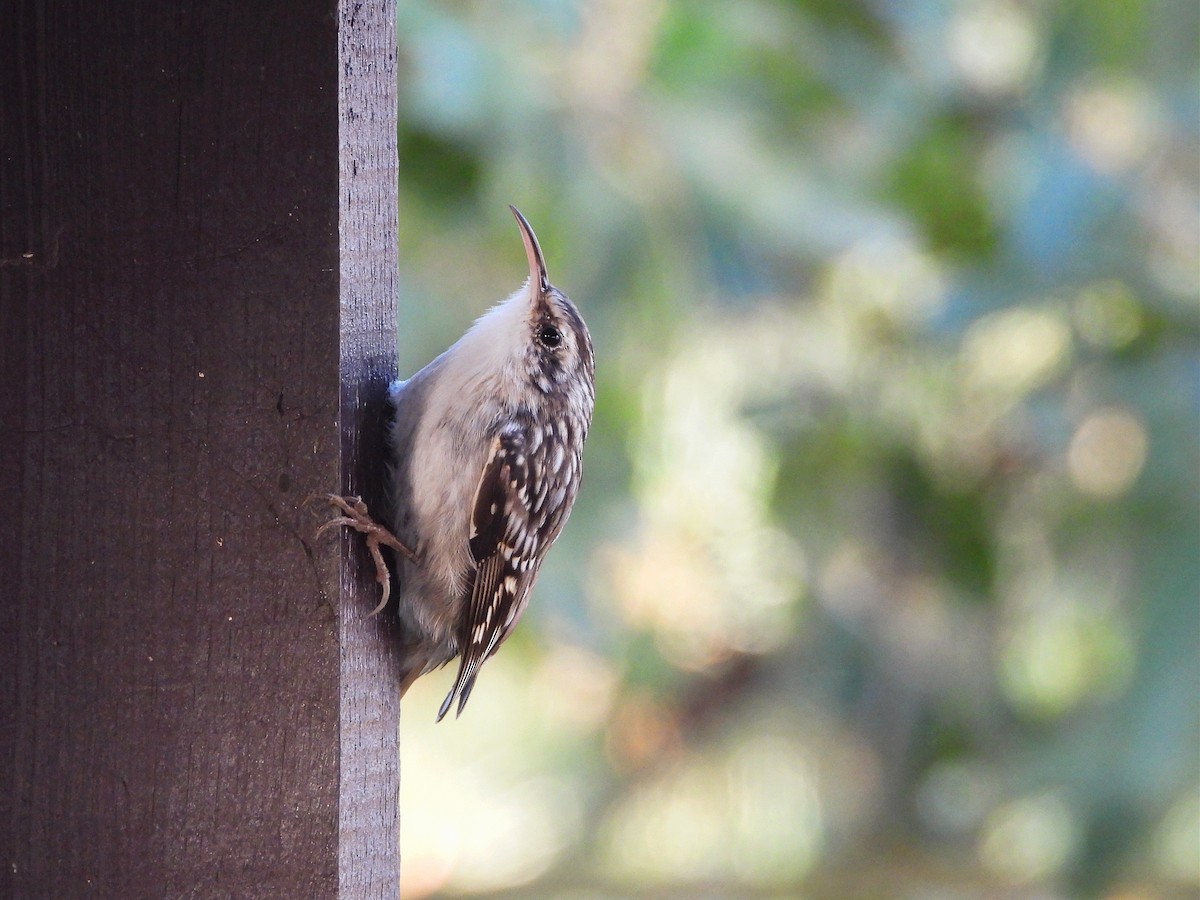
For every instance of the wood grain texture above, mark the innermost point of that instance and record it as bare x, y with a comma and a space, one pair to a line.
186, 704
370, 697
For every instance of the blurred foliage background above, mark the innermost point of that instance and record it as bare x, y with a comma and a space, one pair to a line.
885, 576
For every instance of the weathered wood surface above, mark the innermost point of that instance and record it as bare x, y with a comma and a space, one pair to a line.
192, 701
370, 701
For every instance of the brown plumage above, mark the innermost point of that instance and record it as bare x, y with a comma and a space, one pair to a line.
488, 456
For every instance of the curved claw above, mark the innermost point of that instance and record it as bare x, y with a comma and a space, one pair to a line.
356, 516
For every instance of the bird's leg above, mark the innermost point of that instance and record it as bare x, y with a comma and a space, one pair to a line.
355, 516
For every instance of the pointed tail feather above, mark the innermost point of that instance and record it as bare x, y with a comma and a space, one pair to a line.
468, 669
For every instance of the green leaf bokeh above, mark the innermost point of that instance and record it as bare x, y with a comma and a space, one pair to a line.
885, 576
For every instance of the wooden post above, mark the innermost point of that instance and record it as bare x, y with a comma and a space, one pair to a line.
370, 699
197, 281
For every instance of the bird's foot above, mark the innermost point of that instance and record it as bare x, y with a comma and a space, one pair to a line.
355, 515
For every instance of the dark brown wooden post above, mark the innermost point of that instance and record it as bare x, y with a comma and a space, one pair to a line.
197, 279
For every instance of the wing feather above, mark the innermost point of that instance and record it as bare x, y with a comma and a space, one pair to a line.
505, 545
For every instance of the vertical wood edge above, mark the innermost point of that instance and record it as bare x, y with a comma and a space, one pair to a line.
369, 855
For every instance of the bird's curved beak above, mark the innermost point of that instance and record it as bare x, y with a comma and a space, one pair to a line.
538, 282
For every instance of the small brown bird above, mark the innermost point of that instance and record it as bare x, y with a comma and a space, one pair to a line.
487, 443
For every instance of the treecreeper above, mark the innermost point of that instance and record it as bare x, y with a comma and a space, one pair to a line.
486, 448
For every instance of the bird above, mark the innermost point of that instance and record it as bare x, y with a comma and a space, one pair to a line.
486, 445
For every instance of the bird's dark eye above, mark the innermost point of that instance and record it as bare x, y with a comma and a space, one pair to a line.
549, 336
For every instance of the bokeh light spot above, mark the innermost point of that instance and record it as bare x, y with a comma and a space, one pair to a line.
1177, 841
1029, 839
1107, 453
1061, 653
1112, 124
753, 813
1016, 350
1107, 315
994, 45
